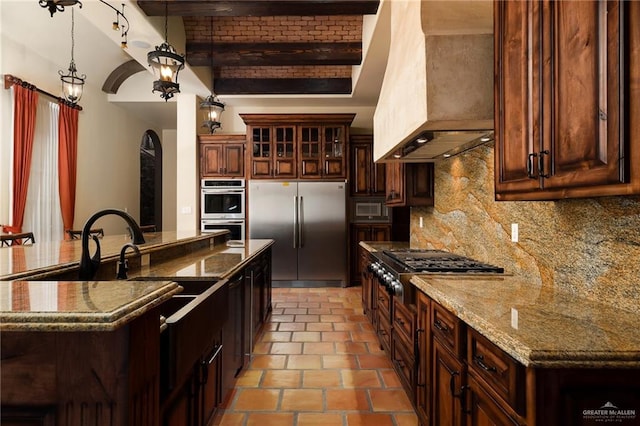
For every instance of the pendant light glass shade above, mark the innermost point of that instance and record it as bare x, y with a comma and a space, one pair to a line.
166, 64
72, 83
212, 110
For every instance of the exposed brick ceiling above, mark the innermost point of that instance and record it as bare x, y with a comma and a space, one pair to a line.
261, 47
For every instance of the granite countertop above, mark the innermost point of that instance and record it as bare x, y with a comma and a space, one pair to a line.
78, 305
106, 305
19, 262
217, 262
538, 326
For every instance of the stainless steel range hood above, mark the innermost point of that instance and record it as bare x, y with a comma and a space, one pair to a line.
437, 95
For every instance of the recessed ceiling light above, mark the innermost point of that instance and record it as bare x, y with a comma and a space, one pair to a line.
140, 43
421, 140
446, 155
485, 138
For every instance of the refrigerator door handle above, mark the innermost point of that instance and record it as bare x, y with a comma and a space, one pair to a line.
301, 223
295, 222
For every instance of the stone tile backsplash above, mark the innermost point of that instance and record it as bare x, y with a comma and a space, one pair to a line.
589, 246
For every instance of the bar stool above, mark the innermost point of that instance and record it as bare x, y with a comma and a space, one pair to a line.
75, 234
19, 238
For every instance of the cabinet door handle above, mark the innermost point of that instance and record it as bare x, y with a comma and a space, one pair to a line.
479, 361
399, 321
440, 326
530, 165
541, 163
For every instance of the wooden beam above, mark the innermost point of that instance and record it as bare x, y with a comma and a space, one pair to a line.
268, 54
259, 7
287, 86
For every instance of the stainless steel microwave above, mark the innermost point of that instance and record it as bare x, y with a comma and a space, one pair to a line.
369, 209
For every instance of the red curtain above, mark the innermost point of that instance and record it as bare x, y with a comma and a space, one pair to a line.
67, 162
24, 121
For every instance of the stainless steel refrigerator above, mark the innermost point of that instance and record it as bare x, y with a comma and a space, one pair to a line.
307, 220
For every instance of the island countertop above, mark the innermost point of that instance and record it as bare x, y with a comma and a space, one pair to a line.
19, 262
539, 326
41, 305
78, 305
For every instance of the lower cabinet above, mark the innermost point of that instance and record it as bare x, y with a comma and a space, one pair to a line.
447, 384
483, 409
194, 397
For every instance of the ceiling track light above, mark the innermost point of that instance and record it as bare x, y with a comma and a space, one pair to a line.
166, 64
59, 5
124, 26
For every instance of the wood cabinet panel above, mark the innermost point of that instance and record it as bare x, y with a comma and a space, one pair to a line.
484, 410
222, 155
448, 375
366, 177
562, 110
304, 146
409, 184
423, 358
363, 232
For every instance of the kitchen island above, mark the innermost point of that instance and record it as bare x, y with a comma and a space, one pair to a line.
104, 352
495, 349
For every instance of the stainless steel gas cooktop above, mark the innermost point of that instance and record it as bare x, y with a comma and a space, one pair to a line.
439, 261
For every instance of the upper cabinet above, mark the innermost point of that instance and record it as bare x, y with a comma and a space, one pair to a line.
366, 177
304, 146
222, 155
409, 184
565, 104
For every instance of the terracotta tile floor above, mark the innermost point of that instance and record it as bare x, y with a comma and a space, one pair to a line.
318, 362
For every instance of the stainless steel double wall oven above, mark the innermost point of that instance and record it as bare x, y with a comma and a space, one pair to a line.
222, 206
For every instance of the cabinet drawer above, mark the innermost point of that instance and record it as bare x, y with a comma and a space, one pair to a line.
448, 329
404, 323
384, 333
404, 364
384, 302
503, 374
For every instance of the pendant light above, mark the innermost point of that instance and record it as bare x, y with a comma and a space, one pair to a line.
212, 108
57, 5
166, 65
72, 84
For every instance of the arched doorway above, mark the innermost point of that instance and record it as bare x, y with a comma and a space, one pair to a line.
151, 180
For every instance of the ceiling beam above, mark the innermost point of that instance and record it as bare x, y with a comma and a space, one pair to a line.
287, 86
273, 54
259, 7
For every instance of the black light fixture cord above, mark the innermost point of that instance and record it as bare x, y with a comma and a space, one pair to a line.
166, 20
72, 38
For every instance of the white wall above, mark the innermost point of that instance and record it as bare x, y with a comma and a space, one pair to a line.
187, 188
169, 176
108, 142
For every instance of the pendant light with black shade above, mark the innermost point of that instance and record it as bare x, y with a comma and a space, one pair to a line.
72, 83
211, 107
166, 64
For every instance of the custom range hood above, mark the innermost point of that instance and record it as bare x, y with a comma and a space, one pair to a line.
436, 99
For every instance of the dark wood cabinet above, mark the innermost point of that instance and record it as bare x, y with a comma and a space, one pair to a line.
409, 184
423, 358
304, 146
448, 376
366, 177
322, 151
403, 330
222, 155
562, 107
363, 232
483, 409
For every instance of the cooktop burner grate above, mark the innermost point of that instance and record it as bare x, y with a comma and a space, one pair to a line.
440, 261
